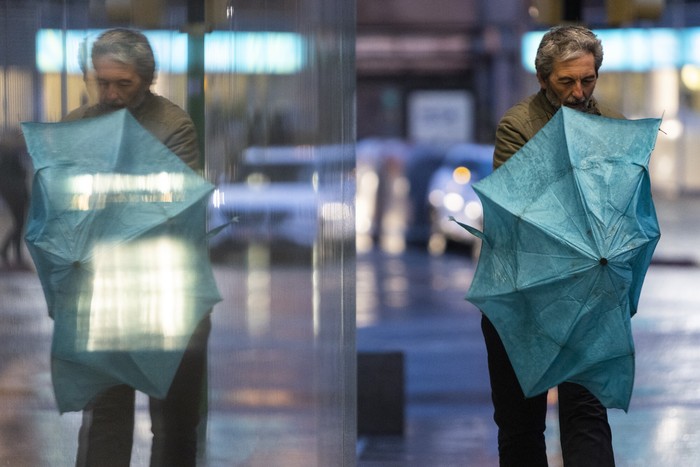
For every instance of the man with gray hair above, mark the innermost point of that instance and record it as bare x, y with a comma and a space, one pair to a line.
567, 64
124, 69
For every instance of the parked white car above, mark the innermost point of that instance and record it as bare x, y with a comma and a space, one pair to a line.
280, 202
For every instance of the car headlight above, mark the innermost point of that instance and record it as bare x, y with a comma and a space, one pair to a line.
453, 202
218, 198
473, 210
435, 197
461, 175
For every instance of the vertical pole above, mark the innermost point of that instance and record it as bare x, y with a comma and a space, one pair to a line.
571, 11
64, 65
5, 64
195, 71
195, 107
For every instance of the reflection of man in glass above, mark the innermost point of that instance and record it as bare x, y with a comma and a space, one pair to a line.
124, 69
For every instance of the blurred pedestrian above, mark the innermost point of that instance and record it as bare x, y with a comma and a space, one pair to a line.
15, 193
124, 68
567, 64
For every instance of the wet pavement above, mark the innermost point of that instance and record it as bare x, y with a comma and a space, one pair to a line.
412, 302
260, 413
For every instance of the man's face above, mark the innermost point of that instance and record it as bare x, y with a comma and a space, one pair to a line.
119, 85
571, 83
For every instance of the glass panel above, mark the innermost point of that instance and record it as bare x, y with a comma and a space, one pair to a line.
270, 89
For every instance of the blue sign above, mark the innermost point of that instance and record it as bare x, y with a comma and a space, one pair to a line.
224, 51
633, 49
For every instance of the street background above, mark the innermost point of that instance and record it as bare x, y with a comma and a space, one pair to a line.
342, 72
414, 303
411, 302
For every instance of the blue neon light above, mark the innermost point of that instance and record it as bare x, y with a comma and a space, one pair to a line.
633, 49
224, 51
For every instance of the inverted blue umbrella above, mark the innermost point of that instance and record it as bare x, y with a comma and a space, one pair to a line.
116, 230
569, 232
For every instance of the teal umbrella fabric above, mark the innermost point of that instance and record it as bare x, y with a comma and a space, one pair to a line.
116, 230
569, 232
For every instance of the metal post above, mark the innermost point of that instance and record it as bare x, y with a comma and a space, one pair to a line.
571, 11
195, 70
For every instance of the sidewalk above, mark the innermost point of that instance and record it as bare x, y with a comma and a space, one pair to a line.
679, 219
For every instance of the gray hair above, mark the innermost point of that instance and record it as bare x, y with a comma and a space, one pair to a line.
563, 43
129, 47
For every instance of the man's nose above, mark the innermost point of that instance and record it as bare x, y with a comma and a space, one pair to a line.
577, 91
110, 92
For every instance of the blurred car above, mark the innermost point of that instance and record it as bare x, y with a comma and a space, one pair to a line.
279, 202
450, 193
264, 212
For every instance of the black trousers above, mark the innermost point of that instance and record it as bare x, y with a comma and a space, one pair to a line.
586, 439
107, 432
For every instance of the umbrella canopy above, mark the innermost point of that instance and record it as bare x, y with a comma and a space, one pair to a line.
569, 232
116, 230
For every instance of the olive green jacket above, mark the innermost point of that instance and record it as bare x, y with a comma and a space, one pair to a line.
163, 119
522, 121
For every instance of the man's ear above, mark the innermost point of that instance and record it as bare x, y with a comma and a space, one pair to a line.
542, 81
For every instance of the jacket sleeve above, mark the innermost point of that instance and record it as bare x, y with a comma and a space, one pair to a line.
509, 139
183, 142
173, 127
75, 114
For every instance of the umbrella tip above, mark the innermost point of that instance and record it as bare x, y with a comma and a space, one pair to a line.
603, 261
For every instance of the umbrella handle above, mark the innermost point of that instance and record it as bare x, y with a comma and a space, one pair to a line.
476, 232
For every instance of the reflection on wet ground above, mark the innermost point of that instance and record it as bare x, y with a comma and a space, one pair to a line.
260, 411
264, 406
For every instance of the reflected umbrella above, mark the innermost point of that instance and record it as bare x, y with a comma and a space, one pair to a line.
117, 233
